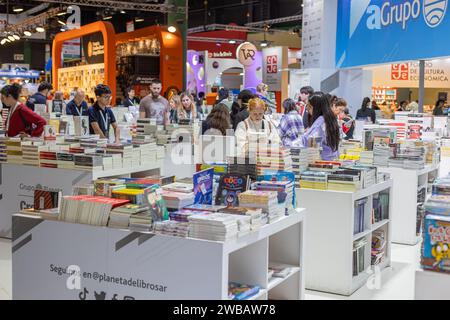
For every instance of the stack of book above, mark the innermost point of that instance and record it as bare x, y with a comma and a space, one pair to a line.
134, 196
378, 252
5, 113
120, 216
83, 190
366, 158
88, 162
359, 249
3, 152
359, 221
141, 222
284, 188
213, 226
30, 152
237, 291
126, 150
265, 200
279, 270
368, 174
171, 228
104, 187
177, 200
88, 209
146, 127
160, 180
14, 150
65, 160
48, 159
340, 181
314, 180
255, 214
381, 155
273, 159
324, 166
380, 207
179, 187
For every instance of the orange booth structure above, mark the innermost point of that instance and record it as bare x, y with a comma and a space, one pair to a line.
170, 47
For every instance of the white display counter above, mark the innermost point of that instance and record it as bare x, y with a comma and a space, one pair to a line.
404, 201
329, 237
18, 182
121, 264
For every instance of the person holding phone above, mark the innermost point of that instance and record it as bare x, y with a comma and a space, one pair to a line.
101, 117
21, 120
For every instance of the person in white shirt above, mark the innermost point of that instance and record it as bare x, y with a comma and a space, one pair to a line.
255, 129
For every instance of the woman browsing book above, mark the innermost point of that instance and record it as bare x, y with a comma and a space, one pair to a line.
255, 129
21, 120
325, 127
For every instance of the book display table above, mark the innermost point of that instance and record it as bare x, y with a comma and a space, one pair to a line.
18, 182
122, 264
407, 201
432, 285
330, 237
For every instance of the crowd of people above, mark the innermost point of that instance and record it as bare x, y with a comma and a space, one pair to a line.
316, 118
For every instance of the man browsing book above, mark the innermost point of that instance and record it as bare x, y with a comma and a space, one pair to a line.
101, 116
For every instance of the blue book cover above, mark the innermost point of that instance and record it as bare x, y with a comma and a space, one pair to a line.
203, 186
273, 175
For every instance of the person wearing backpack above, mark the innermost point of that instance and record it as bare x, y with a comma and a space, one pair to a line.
21, 120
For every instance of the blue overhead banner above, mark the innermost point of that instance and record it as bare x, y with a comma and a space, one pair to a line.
384, 31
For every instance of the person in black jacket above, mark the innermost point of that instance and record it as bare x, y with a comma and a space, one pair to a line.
41, 96
131, 99
366, 112
239, 110
439, 108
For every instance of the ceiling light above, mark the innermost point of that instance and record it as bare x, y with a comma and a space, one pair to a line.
3, 41
17, 9
11, 38
40, 29
139, 19
123, 11
232, 41
107, 18
27, 33
16, 37
7, 40
61, 22
172, 29
63, 30
61, 14
264, 44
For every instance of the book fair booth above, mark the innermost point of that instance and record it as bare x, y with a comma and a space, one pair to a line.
125, 60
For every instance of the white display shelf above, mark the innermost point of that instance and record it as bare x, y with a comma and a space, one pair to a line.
189, 268
18, 182
404, 201
330, 230
431, 285
274, 281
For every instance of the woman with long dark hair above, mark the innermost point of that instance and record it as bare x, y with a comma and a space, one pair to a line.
218, 121
325, 127
366, 112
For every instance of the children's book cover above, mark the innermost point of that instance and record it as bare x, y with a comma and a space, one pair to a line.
203, 186
230, 187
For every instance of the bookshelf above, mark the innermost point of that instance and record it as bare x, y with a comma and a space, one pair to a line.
431, 285
85, 77
384, 94
405, 201
189, 268
330, 236
17, 184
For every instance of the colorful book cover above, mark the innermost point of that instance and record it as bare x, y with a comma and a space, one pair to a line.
271, 175
230, 187
203, 186
436, 243
154, 200
239, 291
44, 200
